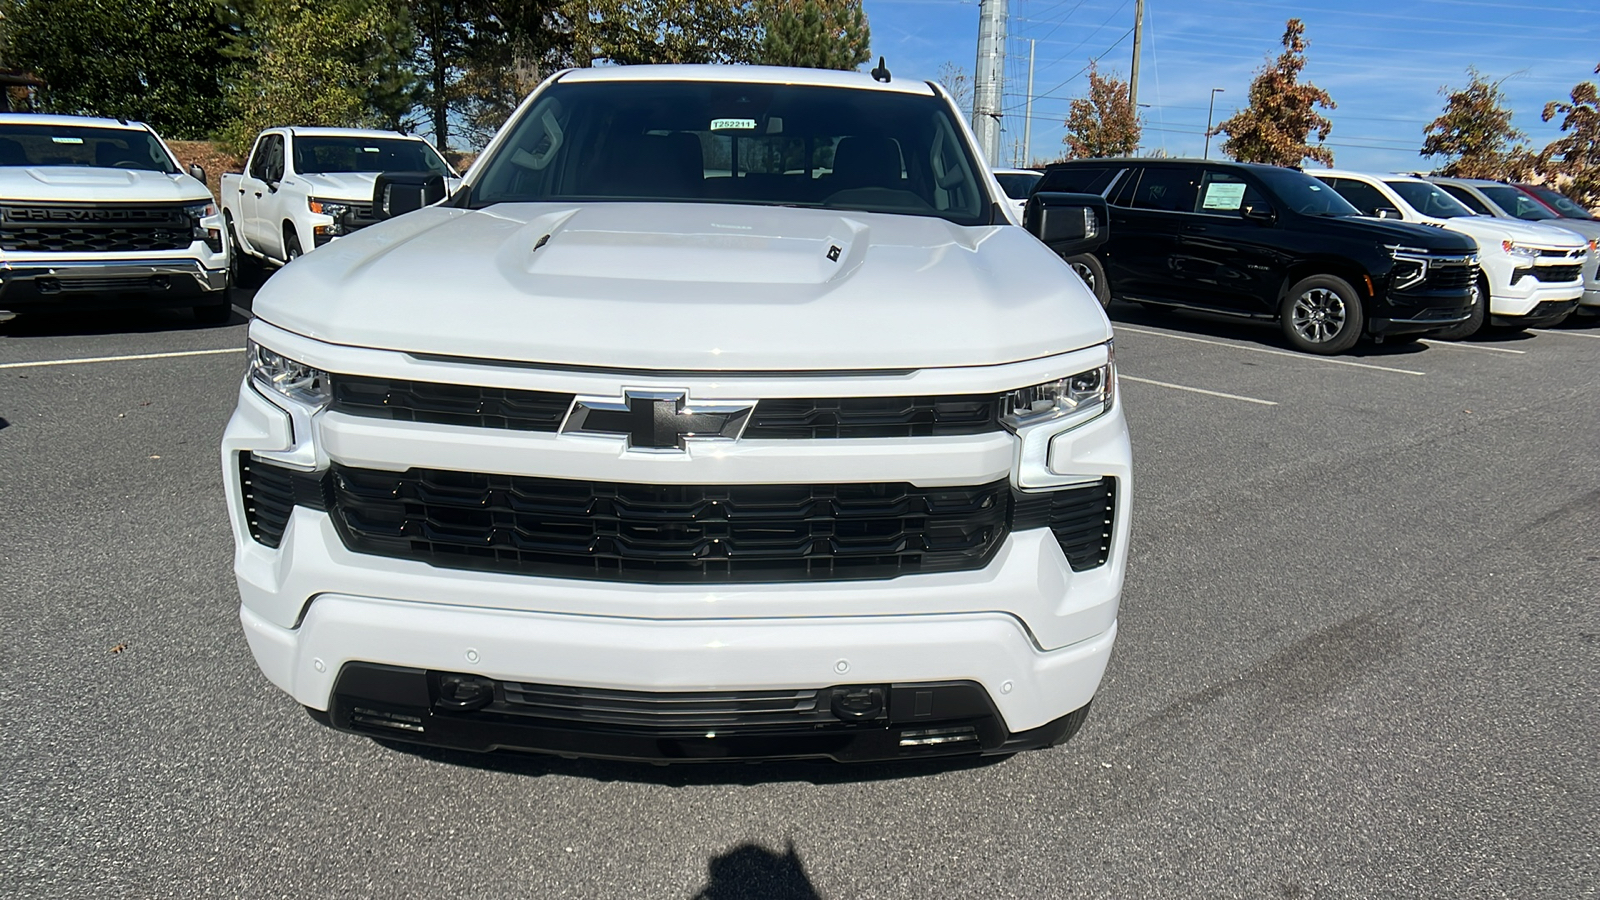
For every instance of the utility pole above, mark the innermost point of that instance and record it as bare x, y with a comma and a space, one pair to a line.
1027, 114
1206, 153
988, 78
1138, 35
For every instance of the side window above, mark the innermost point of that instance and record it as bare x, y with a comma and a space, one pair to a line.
1077, 179
1465, 196
1122, 194
1224, 193
258, 157
1167, 189
275, 158
1361, 195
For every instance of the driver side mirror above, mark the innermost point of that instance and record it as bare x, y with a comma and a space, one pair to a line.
1262, 215
197, 172
397, 193
1385, 212
1069, 224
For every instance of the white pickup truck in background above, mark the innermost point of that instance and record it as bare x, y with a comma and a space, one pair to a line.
97, 213
303, 187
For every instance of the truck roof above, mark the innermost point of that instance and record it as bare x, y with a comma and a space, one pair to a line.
302, 131
747, 75
43, 119
1374, 176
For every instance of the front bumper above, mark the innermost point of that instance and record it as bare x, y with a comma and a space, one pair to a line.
1014, 694
1547, 312
89, 283
1419, 321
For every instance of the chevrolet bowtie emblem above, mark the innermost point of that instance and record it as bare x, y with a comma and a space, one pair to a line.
657, 420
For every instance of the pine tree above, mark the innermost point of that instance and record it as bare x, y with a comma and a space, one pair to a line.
1277, 125
813, 34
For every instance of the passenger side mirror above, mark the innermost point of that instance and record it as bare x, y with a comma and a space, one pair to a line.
1069, 224
397, 193
197, 172
1385, 212
1263, 215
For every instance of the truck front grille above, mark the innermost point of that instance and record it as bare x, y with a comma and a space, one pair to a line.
94, 229
773, 419
667, 711
667, 533
1558, 274
1451, 278
674, 534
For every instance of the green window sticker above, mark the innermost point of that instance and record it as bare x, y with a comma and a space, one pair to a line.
66, 140
733, 124
1223, 195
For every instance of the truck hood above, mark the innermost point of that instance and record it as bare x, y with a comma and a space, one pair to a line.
1490, 232
1389, 231
355, 186
89, 184
689, 287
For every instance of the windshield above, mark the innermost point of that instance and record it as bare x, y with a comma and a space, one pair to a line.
331, 155
1018, 185
1429, 199
716, 142
83, 145
1304, 194
1563, 204
1517, 204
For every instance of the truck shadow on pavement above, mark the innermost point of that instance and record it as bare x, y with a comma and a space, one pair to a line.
693, 774
102, 322
752, 872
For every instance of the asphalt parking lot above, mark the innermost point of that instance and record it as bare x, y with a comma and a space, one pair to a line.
1358, 658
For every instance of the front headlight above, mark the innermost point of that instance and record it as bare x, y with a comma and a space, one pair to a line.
328, 207
1520, 252
273, 373
1080, 397
200, 232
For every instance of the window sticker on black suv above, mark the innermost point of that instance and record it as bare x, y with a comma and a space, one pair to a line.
1222, 195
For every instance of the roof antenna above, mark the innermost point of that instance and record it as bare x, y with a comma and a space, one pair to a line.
881, 73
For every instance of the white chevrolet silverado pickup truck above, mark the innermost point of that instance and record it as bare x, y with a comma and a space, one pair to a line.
723, 413
304, 187
97, 214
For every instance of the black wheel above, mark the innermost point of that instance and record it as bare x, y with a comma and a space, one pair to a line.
215, 313
291, 247
1093, 274
1480, 311
1321, 314
1075, 720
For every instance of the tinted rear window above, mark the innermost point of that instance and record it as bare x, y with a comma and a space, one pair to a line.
1017, 185
1078, 179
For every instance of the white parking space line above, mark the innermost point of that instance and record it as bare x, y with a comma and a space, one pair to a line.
1306, 357
1195, 390
105, 359
1592, 337
1451, 345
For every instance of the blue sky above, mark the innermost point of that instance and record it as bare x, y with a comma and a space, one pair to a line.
1383, 62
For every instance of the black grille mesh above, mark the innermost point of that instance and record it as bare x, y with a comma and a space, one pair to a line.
127, 229
781, 418
666, 711
449, 404
667, 533
678, 533
1081, 519
1447, 278
1558, 274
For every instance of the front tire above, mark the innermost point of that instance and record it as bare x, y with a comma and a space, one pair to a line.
1093, 274
291, 248
1480, 312
1321, 314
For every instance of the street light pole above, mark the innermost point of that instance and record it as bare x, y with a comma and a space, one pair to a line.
1206, 154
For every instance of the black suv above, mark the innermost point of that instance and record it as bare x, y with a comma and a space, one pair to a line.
1266, 242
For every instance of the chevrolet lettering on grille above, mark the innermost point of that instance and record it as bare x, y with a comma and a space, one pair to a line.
657, 420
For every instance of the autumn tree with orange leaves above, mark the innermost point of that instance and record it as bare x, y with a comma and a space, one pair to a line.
1277, 125
1103, 123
